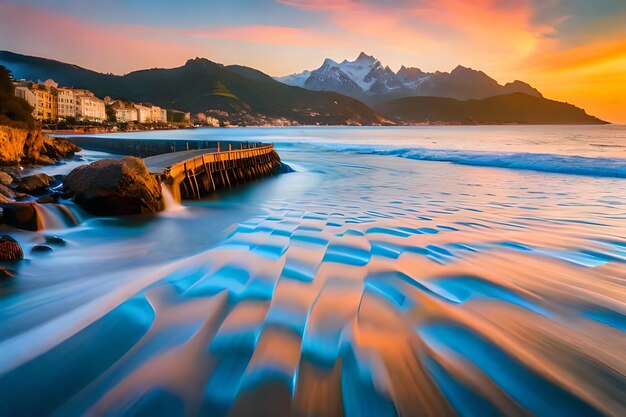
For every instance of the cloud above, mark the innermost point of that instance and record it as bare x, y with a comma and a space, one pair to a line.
269, 35
491, 32
114, 48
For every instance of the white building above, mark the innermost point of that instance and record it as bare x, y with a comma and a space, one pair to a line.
25, 93
155, 113
66, 103
89, 107
50, 83
143, 113
150, 114
126, 114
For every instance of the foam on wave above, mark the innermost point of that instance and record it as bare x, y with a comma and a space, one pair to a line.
543, 162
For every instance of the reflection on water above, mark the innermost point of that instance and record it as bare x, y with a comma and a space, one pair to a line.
358, 286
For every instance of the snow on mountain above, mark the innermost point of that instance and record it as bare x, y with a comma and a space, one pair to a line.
296, 80
367, 79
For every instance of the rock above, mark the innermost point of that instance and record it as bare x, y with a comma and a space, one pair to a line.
6, 192
283, 168
23, 216
44, 160
112, 187
55, 240
57, 148
34, 184
5, 178
17, 145
33, 146
41, 249
5, 273
12, 141
50, 199
10, 250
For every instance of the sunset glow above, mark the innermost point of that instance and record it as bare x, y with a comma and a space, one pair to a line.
570, 50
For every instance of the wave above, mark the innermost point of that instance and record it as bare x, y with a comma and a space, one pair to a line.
543, 162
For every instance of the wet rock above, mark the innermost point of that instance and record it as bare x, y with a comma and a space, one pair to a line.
5, 273
34, 184
44, 160
57, 148
5, 178
55, 240
41, 249
112, 187
283, 168
23, 216
6, 192
10, 250
50, 199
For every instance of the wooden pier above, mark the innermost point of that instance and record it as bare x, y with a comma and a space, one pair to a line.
191, 169
194, 173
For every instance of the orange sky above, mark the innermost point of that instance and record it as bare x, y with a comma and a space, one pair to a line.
571, 50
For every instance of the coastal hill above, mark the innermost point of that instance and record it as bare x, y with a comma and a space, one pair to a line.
518, 108
367, 79
247, 95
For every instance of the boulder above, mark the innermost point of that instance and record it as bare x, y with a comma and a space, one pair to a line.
55, 240
34, 184
59, 148
7, 192
5, 178
41, 249
23, 216
5, 273
113, 187
10, 250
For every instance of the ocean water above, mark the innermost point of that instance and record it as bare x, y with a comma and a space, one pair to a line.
473, 271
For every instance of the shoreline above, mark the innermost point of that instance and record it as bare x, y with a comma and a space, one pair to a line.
110, 131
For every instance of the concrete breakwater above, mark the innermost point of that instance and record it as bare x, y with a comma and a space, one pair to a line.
143, 148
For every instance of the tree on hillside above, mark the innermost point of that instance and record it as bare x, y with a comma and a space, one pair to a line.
14, 111
110, 112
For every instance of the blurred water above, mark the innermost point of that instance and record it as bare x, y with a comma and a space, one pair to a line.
361, 285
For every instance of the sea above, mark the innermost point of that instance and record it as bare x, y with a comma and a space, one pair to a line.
398, 271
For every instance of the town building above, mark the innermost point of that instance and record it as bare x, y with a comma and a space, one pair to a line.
24, 93
124, 113
176, 116
46, 107
90, 107
143, 113
66, 103
157, 114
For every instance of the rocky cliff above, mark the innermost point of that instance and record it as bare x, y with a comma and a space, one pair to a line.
31, 146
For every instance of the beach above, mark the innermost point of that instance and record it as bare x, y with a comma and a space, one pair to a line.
398, 271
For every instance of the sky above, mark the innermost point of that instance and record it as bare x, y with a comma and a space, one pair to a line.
571, 50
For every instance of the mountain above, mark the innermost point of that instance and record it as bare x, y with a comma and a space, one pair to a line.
246, 96
516, 108
369, 80
240, 94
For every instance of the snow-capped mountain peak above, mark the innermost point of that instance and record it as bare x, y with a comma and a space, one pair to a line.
368, 79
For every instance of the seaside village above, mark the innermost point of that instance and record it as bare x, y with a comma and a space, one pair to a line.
71, 107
